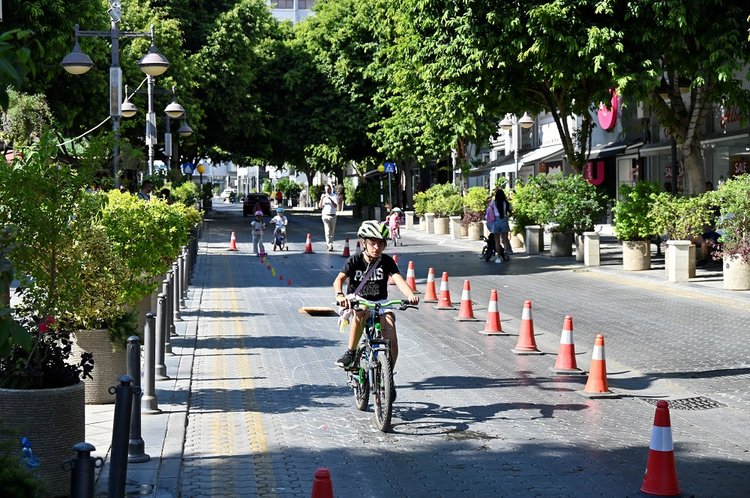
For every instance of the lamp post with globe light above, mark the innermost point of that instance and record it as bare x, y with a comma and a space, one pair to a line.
201, 169
152, 64
512, 124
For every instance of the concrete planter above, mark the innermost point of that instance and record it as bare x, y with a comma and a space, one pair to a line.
591, 249
409, 220
561, 244
534, 239
579, 247
474, 230
54, 420
736, 273
464, 230
454, 227
441, 226
429, 223
636, 255
108, 365
679, 260
516, 241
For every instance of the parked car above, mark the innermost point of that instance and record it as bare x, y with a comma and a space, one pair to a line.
253, 202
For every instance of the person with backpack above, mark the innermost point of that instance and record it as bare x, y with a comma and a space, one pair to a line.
497, 221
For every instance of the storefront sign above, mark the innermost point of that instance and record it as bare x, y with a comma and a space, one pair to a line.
608, 116
593, 171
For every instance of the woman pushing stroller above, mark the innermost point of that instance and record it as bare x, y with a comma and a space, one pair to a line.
497, 214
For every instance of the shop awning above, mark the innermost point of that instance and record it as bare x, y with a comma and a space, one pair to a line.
608, 150
542, 154
503, 164
657, 149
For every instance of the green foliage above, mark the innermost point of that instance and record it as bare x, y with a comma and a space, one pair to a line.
26, 118
186, 194
123, 327
315, 192
289, 188
531, 202
733, 200
631, 212
476, 200
442, 199
267, 186
680, 218
349, 191
450, 205
15, 478
576, 204
501, 182
366, 194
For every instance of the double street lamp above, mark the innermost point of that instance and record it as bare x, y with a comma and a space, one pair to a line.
512, 124
172, 111
152, 64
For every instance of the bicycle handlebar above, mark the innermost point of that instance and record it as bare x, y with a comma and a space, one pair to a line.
400, 304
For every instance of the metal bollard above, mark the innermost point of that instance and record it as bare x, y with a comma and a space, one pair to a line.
186, 272
136, 446
149, 403
160, 369
170, 304
176, 292
82, 470
181, 279
166, 316
118, 459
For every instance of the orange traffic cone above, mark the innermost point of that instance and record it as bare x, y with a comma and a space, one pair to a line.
346, 248
410, 278
281, 277
357, 248
466, 310
390, 280
596, 385
232, 243
289, 282
322, 486
661, 474
492, 326
444, 303
308, 245
430, 296
526, 343
566, 355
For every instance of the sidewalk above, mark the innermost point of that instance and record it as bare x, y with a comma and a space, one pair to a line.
164, 433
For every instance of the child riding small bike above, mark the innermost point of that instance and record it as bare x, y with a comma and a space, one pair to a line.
394, 224
279, 232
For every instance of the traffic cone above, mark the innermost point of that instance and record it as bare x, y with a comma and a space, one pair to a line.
526, 343
410, 278
444, 303
322, 486
357, 248
281, 277
596, 385
390, 280
346, 248
232, 243
289, 282
466, 310
430, 296
661, 475
566, 355
308, 245
492, 326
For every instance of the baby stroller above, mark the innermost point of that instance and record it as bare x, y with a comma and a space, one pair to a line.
279, 239
488, 251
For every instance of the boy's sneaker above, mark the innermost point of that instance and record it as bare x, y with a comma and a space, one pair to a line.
498, 260
347, 360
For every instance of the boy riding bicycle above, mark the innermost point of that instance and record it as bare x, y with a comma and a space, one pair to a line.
367, 275
279, 222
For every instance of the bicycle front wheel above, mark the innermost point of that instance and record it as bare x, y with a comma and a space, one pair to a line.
361, 390
383, 392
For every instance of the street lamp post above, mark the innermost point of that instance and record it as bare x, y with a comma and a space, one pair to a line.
201, 169
512, 124
173, 110
153, 64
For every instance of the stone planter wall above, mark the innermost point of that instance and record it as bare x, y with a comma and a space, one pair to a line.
108, 365
561, 244
636, 255
53, 420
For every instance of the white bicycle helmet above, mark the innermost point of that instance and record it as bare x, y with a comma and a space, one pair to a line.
372, 229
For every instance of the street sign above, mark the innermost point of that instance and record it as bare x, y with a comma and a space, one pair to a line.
188, 168
389, 167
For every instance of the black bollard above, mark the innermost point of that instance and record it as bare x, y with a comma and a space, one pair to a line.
181, 280
176, 291
136, 446
160, 369
170, 304
82, 469
165, 315
149, 403
186, 273
118, 459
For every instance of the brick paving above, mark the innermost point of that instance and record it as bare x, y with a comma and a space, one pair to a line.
265, 406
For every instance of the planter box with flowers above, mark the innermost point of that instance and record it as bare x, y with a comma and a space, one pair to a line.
633, 225
475, 202
733, 200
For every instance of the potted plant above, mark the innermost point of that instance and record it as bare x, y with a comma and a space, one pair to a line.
475, 202
633, 225
680, 219
443, 200
531, 204
733, 201
575, 206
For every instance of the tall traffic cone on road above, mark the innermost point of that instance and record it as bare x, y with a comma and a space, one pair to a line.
466, 310
410, 278
566, 355
492, 326
322, 486
390, 280
596, 385
357, 248
430, 296
444, 302
346, 248
661, 474
526, 342
232, 243
308, 245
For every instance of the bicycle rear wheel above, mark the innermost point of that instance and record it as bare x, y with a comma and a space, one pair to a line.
383, 393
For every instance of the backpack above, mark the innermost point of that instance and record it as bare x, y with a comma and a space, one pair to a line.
489, 214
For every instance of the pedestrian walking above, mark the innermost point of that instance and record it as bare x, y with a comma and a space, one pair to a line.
146, 188
329, 204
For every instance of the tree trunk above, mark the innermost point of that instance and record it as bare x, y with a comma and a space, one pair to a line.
692, 162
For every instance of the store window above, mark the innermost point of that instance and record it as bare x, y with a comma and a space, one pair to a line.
282, 4
306, 4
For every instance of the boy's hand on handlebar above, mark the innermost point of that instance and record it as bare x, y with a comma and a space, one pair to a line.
413, 299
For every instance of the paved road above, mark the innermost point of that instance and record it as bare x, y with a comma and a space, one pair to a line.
267, 406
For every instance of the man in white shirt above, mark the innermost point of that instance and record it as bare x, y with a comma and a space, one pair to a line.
328, 204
